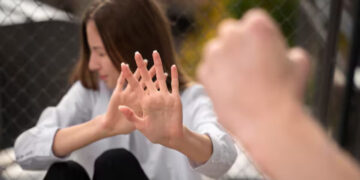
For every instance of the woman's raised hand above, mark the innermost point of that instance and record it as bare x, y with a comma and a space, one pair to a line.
127, 94
161, 121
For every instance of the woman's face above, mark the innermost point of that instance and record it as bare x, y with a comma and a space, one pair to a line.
99, 60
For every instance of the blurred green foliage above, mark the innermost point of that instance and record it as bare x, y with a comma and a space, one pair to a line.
206, 20
283, 11
209, 16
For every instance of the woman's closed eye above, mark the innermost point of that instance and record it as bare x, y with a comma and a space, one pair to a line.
99, 51
101, 54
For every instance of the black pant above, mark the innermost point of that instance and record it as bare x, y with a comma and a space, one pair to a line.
112, 164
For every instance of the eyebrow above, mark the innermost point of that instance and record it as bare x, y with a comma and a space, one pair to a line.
97, 48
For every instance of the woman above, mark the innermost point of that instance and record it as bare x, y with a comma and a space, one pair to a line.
87, 127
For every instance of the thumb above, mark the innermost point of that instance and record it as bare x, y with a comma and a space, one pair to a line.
131, 116
301, 65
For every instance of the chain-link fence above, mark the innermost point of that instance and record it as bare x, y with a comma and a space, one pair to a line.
39, 44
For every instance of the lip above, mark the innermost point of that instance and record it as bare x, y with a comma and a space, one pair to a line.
103, 77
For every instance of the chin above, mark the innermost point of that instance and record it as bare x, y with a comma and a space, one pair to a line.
110, 86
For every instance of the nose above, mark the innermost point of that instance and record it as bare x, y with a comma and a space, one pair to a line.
94, 64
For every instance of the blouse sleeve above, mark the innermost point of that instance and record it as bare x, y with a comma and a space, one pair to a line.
33, 148
202, 119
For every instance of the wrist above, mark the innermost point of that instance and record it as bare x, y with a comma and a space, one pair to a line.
269, 114
179, 141
197, 147
99, 127
269, 138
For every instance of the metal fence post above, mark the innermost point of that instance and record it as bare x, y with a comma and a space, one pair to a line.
1, 106
326, 65
344, 128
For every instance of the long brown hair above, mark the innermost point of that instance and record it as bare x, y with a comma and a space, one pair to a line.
126, 26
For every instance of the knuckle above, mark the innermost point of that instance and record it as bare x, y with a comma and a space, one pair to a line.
255, 13
227, 26
300, 53
259, 20
211, 47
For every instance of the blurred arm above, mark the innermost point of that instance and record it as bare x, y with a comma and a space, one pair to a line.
257, 91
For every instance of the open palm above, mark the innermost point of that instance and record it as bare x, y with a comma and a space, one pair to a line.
114, 121
162, 111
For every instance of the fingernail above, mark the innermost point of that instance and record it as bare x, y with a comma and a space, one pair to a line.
166, 74
137, 52
122, 64
155, 51
145, 61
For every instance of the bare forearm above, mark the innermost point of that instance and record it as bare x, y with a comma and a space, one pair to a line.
197, 147
324, 154
75, 137
297, 148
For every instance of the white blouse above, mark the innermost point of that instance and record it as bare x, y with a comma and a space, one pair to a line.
33, 148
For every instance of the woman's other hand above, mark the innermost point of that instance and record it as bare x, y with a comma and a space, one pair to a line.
126, 94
